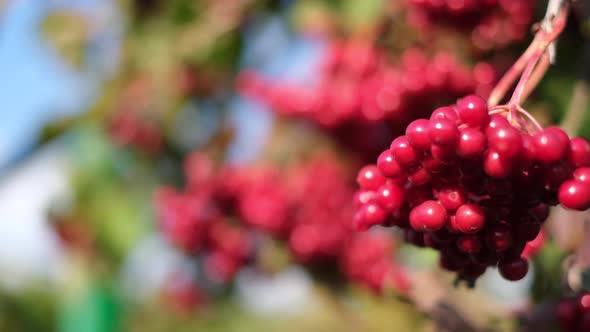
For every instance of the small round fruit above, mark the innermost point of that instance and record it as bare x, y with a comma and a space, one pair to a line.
513, 269
428, 216
574, 195
369, 177
473, 111
469, 218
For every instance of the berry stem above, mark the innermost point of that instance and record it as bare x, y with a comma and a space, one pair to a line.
543, 38
517, 96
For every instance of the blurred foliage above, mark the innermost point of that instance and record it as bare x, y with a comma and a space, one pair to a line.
28, 310
68, 33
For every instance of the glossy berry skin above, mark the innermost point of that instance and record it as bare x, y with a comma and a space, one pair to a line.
403, 151
574, 195
549, 146
496, 121
506, 140
496, 165
451, 198
469, 218
513, 269
499, 237
365, 196
445, 112
443, 132
579, 152
582, 174
473, 111
390, 197
417, 134
388, 165
472, 142
370, 178
428, 216
419, 176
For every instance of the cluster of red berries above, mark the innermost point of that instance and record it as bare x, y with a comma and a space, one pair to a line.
573, 314
492, 23
306, 205
473, 186
357, 83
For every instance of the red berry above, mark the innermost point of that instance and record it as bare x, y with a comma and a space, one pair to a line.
469, 218
372, 214
443, 132
417, 134
549, 146
428, 216
579, 152
574, 195
419, 176
390, 197
513, 269
471, 142
473, 111
403, 152
388, 165
470, 244
364, 196
370, 178
506, 140
445, 112
451, 198
499, 237
582, 175
496, 121
443, 153
496, 165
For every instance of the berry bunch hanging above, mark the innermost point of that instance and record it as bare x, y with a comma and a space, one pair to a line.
475, 181
492, 23
358, 83
223, 211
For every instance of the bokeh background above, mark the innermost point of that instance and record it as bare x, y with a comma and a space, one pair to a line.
104, 101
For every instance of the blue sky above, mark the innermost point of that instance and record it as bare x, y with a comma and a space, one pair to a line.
35, 86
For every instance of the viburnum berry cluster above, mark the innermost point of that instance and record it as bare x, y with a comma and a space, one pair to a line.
573, 314
359, 91
492, 23
475, 182
224, 210
473, 186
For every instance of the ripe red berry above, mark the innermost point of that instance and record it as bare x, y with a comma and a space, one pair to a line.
496, 165
579, 152
472, 142
417, 134
451, 198
469, 218
473, 111
549, 146
445, 112
419, 176
388, 165
403, 152
506, 140
365, 196
428, 216
574, 195
443, 132
496, 121
513, 269
390, 197
582, 175
369, 177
